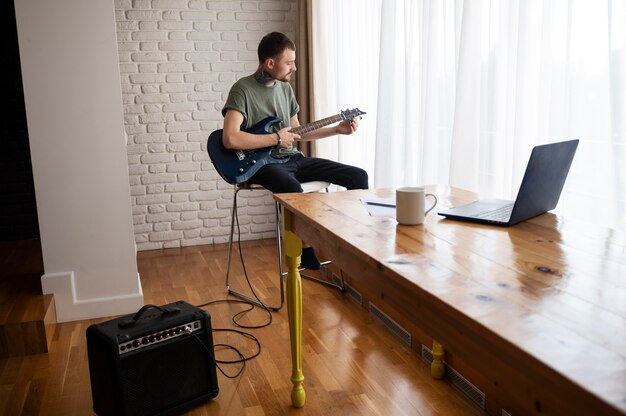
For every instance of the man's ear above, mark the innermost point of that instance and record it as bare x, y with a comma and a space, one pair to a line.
270, 63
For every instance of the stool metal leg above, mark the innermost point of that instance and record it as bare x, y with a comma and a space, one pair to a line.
281, 273
230, 239
280, 266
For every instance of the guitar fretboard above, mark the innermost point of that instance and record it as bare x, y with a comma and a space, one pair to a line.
316, 124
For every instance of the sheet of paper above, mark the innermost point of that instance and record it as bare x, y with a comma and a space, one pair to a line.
380, 207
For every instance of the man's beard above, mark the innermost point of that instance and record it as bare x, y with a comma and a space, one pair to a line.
286, 78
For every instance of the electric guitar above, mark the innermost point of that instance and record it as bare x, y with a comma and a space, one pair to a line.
237, 166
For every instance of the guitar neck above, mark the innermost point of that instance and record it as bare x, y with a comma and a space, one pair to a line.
316, 124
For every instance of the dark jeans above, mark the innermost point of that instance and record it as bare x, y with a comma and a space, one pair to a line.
286, 177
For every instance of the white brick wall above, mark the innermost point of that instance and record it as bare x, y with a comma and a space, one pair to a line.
178, 60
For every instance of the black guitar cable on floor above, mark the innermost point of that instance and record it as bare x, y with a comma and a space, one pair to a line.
242, 359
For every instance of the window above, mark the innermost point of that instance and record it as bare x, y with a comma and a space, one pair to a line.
459, 93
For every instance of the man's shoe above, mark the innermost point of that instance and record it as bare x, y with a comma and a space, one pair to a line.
309, 260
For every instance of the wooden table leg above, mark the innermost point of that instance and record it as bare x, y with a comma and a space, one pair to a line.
293, 251
437, 367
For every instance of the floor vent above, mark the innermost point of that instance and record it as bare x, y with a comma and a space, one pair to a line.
349, 290
457, 380
393, 326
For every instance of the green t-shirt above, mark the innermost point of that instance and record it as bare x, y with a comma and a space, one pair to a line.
257, 102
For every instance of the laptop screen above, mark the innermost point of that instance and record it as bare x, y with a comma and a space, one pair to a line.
544, 179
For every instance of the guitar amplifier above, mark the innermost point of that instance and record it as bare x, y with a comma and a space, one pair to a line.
159, 361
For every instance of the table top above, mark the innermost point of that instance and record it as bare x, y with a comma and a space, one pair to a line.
548, 291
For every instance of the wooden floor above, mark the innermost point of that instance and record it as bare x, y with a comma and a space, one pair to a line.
352, 364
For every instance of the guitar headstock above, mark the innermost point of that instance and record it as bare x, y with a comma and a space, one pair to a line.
351, 113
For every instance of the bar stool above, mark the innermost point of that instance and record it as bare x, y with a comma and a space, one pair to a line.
314, 186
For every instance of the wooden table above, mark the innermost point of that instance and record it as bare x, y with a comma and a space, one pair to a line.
538, 310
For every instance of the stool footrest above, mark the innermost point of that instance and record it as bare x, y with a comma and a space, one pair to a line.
341, 288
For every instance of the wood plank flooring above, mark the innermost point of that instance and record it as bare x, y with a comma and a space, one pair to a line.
25, 313
352, 364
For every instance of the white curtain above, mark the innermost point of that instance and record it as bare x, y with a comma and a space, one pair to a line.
458, 92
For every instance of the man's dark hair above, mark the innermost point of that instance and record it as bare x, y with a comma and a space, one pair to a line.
273, 44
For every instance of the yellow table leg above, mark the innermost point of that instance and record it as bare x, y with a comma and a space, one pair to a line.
437, 367
293, 251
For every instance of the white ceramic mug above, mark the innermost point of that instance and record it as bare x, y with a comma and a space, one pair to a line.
411, 205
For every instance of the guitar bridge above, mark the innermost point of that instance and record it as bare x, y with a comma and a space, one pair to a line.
240, 154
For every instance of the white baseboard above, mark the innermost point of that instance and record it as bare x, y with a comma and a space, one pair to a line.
69, 308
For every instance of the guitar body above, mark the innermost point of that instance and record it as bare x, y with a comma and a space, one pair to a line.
238, 166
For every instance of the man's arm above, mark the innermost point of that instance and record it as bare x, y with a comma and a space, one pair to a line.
234, 138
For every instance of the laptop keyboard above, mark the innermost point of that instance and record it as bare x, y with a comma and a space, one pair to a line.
501, 214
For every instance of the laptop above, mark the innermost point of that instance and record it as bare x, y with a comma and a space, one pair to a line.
539, 192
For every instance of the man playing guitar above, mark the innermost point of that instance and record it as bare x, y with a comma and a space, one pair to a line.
267, 93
